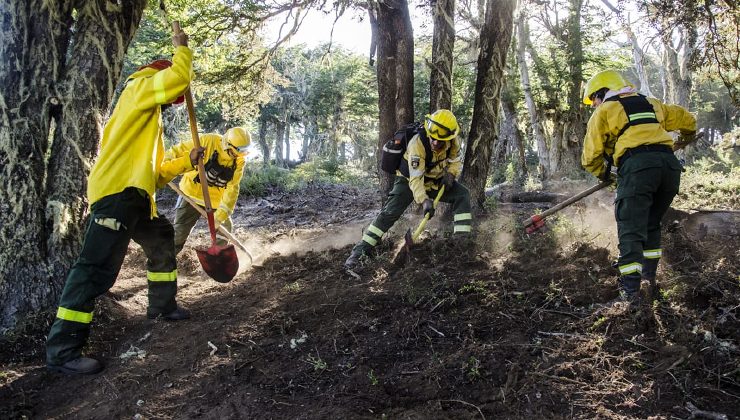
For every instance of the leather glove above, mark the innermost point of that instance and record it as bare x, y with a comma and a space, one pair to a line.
196, 154
428, 207
684, 139
220, 216
448, 180
609, 174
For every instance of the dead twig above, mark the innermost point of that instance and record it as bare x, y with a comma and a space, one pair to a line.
468, 404
702, 414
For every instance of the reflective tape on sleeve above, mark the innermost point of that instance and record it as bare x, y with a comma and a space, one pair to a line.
74, 316
155, 276
461, 228
160, 95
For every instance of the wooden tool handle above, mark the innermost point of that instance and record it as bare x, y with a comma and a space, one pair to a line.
424, 221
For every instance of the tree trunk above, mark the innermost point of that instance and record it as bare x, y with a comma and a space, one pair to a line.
395, 75
279, 136
59, 87
495, 39
287, 140
534, 120
443, 43
262, 140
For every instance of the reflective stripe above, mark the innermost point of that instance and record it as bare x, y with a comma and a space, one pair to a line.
463, 216
109, 222
393, 151
415, 172
457, 159
652, 254
154, 276
74, 316
461, 228
630, 268
375, 230
224, 208
369, 239
159, 92
642, 115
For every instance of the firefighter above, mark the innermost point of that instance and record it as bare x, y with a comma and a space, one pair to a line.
631, 132
121, 186
432, 159
224, 167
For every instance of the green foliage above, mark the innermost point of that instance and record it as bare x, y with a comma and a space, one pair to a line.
258, 179
710, 182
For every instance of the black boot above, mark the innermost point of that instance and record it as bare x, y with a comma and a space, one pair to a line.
177, 315
78, 366
629, 289
353, 261
649, 272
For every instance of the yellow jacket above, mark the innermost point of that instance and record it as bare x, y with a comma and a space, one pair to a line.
223, 199
132, 150
421, 181
609, 118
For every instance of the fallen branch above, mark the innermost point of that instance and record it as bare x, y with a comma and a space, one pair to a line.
701, 414
468, 404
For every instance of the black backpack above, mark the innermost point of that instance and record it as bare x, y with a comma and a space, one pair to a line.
391, 158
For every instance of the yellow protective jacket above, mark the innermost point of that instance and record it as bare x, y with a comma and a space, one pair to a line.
132, 150
421, 180
609, 118
222, 198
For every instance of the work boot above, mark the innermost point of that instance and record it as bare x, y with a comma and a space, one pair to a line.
353, 260
177, 315
629, 290
649, 272
78, 366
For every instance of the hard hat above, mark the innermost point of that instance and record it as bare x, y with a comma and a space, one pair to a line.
236, 138
441, 125
160, 65
606, 79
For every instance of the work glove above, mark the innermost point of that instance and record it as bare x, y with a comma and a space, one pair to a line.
448, 180
684, 139
196, 154
609, 174
428, 207
220, 216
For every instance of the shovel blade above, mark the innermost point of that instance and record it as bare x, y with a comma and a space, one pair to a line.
219, 262
404, 253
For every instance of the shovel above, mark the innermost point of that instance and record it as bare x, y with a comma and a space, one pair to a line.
221, 229
409, 239
219, 261
537, 222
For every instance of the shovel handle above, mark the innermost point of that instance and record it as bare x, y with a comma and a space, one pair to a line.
196, 143
424, 221
228, 235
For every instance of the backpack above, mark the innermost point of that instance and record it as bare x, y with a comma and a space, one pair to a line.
391, 158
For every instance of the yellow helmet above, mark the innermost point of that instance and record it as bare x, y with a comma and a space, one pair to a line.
236, 138
441, 125
606, 79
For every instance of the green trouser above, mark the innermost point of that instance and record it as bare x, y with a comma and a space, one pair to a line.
185, 218
647, 183
399, 198
114, 221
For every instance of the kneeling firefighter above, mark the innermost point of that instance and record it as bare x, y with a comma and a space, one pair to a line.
630, 131
224, 168
431, 159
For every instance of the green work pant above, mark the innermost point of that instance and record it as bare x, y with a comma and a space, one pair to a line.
647, 183
399, 199
186, 216
114, 221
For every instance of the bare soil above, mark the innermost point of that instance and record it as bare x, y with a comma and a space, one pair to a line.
504, 326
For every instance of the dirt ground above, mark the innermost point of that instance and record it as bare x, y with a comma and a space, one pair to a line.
503, 326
